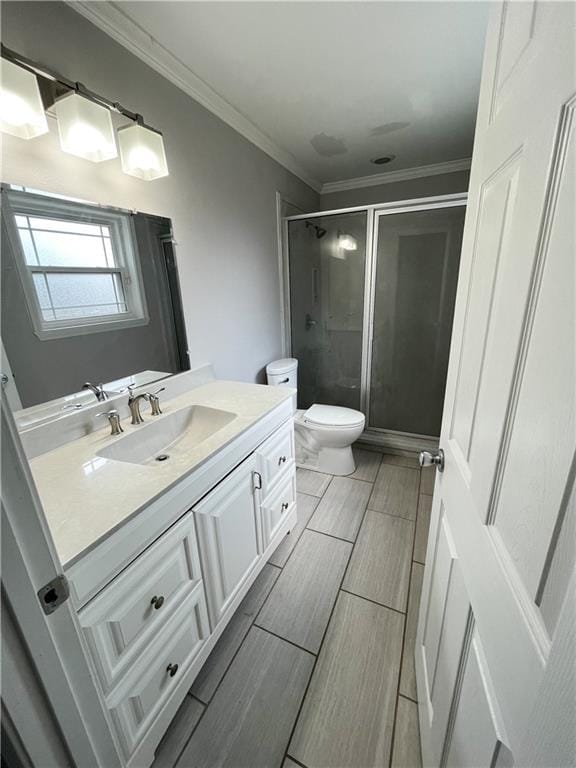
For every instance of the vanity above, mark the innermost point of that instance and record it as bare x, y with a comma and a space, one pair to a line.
162, 529
161, 525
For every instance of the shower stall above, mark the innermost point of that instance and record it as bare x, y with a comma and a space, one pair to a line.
368, 305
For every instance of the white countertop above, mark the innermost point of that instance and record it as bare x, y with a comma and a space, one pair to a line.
85, 497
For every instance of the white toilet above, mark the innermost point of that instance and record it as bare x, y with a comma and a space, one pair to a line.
323, 433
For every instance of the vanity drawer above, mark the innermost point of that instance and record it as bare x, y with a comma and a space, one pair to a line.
275, 455
277, 505
130, 611
138, 699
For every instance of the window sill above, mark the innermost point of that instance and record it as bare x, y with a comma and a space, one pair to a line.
62, 332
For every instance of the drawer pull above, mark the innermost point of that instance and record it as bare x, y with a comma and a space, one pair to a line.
285, 506
157, 602
281, 460
172, 669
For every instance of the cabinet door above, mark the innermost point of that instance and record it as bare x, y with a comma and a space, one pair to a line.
229, 537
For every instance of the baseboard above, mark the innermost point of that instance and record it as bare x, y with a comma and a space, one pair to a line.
395, 442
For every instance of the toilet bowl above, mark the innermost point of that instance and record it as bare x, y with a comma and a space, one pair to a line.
323, 433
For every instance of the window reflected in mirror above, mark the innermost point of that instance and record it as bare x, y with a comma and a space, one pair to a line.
89, 293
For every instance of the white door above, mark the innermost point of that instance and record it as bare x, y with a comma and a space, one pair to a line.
493, 652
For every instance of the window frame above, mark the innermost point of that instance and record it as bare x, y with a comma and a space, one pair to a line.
123, 239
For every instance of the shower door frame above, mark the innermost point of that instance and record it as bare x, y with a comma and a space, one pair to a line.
386, 438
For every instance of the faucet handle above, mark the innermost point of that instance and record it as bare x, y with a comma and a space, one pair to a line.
114, 419
154, 401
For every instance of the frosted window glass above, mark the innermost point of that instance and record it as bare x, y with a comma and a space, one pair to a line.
42, 291
67, 250
416, 276
72, 295
64, 225
28, 246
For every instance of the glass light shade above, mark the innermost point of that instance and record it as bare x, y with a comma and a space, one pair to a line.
21, 109
347, 242
85, 128
142, 152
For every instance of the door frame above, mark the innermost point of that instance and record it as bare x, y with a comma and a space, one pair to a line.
384, 438
54, 642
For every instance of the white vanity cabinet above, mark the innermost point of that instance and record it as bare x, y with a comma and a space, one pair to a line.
151, 626
230, 537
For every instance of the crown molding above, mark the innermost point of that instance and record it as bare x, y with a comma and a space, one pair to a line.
108, 17
392, 176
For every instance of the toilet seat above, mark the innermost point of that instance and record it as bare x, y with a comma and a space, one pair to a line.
333, 416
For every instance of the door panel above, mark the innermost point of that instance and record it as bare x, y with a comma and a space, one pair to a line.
327, 263
444, 637
503, 511
417, 256
229, 537
549, 315
498, 198
476, 738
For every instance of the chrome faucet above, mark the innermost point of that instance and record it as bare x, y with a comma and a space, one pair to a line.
134, 405
114, 419
98, 391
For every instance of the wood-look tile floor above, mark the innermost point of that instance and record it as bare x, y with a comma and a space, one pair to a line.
316, 668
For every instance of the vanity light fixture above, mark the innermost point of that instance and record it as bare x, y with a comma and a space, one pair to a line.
84, 118
347, 242
21, 109
85, 128
142, 151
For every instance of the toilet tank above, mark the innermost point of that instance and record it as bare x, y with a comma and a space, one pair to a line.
283, 372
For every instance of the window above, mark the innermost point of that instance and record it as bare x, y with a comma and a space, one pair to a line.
78, 263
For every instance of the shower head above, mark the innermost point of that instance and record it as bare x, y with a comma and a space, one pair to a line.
320, 231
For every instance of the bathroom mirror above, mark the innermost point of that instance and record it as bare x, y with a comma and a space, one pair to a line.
89, 294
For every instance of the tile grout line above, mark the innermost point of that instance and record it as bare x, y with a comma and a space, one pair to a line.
290, 642
398, 694
330, 535
321, 645
204, 708
293, 759
375, 602
316, 656
390, 514
207, 704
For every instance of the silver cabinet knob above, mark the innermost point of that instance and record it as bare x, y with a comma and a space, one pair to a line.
428, 459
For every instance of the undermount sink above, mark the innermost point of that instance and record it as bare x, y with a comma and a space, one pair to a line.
169, 436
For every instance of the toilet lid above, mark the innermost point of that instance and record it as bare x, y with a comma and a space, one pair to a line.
333, 416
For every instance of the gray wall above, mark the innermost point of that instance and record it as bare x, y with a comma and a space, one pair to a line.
220, 193
427, 186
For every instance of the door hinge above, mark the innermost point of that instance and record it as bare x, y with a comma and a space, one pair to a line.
257, 477
53, 594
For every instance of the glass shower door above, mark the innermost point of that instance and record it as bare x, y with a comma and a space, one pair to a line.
417, 260
327, 257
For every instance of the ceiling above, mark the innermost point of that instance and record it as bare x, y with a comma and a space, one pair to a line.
330, 85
